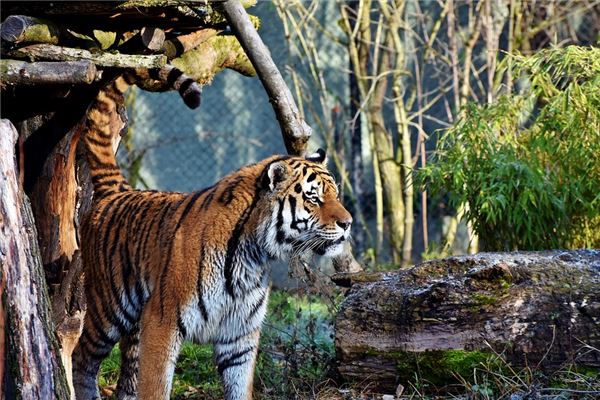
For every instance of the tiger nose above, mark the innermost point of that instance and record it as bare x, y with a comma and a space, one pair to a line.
344, 223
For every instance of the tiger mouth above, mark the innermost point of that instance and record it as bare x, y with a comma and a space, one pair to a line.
326, 244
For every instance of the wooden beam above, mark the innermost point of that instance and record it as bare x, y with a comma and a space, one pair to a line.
115, 60
23, 29
16, 72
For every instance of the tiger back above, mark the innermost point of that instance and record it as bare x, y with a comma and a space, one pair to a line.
164, 267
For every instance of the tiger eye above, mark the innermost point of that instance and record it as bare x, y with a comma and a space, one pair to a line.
298, 188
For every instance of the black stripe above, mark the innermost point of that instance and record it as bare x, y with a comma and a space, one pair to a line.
154, 73
231, 340
280, 235
227, 194
96, 178
222, 368
146, 225
311, 177
185, 86
105, 233
98, 162
257, 306
292, 201
208, 199
233, 244
103, 141
233, 360
165, 265
127, 272
187, 208
174, 74
96, 342
181, 326
179, 48
199, 291
95, 316
116, 287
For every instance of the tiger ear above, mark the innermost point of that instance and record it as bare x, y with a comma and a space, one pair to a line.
318, 157
275, 173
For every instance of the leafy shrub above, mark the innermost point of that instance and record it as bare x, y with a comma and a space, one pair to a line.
528, 166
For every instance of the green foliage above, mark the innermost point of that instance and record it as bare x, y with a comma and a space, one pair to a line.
296, 345
528, 166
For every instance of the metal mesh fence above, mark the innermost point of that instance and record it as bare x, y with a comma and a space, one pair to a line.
173, 148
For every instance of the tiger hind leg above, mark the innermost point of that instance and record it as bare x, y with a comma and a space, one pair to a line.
94, 345
128, 378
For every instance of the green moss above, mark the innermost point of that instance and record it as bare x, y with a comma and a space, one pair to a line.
483, 299
210, 57
589, 372
442, 367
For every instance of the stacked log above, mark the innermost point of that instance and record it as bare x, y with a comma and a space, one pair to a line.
443, 318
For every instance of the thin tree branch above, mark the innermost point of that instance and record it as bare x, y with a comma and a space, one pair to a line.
295, 130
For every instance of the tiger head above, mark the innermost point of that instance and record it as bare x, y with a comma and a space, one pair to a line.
306, 213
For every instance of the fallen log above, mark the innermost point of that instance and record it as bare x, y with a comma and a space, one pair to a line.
440, 319
15, 72
103, 59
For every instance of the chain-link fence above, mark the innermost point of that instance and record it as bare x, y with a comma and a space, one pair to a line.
235, 125
174, 148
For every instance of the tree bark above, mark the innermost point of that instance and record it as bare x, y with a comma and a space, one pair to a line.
537, 309
15, 72
33, 366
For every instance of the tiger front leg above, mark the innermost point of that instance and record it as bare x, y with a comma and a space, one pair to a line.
236, 360
160, 342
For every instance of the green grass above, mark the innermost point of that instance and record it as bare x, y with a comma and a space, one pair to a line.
295, 356
296, 359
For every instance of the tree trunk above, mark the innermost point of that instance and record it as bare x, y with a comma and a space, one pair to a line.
32, 366
445, 317
57, 180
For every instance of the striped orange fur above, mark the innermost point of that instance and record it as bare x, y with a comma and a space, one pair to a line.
162, 267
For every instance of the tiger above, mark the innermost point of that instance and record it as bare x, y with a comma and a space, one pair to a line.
164, 267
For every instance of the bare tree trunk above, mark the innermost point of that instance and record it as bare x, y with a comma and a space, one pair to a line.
34, 369
60, 193
356, 160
